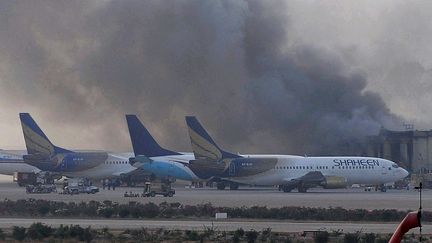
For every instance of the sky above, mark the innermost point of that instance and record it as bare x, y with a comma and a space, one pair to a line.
302, 77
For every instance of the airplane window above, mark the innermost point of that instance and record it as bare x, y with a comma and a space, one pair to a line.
395, 166
389, 168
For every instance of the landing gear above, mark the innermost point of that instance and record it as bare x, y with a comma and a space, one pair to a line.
234, 186
285, 188
220, 186
381, 188
302, 188
223, 184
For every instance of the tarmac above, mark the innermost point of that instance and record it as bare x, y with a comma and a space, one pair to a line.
246, 196
352, 198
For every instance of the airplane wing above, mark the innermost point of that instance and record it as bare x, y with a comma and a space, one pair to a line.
180, 162
136, 172
311, 179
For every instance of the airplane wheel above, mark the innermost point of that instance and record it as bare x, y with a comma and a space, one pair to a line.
302, 189
221, 186
234, 186
286, 189
170, 194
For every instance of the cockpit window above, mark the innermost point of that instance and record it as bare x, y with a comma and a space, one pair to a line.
395, 166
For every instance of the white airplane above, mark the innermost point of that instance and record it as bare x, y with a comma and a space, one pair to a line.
287, 171
44, 155
12, 161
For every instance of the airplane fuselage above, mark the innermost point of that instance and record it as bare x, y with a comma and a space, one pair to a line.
356, 170
114, 166
10, 163
173, 166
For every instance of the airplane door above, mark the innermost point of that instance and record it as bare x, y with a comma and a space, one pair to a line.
232, 169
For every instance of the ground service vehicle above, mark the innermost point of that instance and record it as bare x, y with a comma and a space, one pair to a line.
153, 189
76, 186
24, 178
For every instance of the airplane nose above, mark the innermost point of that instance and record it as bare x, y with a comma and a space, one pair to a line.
404, 173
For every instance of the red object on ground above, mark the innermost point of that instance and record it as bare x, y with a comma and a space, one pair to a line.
412, 220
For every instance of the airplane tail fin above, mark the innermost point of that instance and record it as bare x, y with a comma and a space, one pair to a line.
203, 146
142, 141
36, 140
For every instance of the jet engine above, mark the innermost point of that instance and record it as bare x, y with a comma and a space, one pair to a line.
334, 182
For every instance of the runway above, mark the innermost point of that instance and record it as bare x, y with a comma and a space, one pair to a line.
227, 225
246, 196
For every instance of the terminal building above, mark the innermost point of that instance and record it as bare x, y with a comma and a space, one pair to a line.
410, 149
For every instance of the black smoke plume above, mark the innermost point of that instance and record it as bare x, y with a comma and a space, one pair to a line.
81, 65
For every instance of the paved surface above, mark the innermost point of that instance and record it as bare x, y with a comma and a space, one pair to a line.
271, 197
276, 226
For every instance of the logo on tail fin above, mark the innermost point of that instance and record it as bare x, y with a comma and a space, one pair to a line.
203, 145
202, 148
36, 141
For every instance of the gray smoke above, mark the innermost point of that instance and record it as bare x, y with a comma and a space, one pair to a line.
79, 66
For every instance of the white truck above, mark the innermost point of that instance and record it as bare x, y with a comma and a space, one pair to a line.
79, 185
